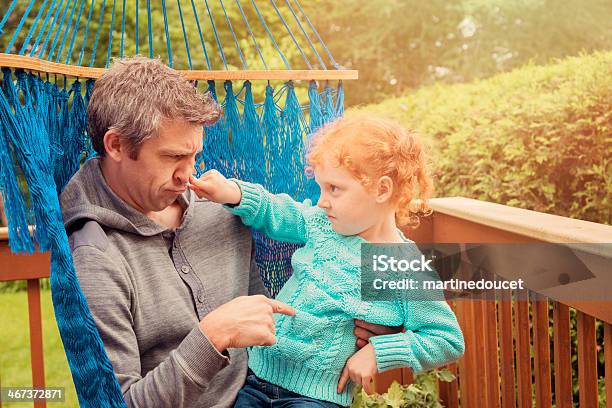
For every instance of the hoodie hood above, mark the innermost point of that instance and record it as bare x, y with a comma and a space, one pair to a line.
88, 197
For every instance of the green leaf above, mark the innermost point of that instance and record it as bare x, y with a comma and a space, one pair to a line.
446, 375
394, 396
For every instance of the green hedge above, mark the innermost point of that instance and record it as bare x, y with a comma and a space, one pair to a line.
539, 137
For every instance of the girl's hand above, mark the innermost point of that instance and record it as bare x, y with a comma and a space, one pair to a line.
360, 368
215, 187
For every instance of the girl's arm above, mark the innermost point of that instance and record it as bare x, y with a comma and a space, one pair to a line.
276, 215
432, 335
432, 338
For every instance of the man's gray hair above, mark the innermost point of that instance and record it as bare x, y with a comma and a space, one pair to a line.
136, 95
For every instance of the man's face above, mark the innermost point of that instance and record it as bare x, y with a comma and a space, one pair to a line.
160, 173
351, 209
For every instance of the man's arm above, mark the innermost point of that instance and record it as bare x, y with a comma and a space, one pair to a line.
181, 378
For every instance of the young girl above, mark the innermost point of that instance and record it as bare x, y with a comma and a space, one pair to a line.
368, 170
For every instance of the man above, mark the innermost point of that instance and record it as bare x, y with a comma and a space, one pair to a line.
170, 279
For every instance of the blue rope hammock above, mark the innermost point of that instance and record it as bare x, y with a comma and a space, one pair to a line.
44, 140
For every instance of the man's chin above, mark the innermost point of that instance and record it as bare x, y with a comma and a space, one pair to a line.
164, 204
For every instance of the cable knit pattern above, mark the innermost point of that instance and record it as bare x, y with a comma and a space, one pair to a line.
313, 346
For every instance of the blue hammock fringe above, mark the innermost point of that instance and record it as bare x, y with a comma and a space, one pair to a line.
43, 133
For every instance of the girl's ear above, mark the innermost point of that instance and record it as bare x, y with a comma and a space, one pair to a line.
384, 189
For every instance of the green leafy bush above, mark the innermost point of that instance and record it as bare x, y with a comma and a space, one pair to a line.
539, 137
423, 393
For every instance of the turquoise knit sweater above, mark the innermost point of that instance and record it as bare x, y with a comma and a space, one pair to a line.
313, 346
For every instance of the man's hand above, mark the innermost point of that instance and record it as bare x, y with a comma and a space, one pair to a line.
215, 187
364, 331
360, 368
243, 322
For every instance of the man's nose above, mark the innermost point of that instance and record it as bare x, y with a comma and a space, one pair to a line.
182, 174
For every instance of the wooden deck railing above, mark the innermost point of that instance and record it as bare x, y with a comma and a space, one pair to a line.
501, 336
31, 268
498, 369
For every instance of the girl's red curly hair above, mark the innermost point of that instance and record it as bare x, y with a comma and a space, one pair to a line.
372, 147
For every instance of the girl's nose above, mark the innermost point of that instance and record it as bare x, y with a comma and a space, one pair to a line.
323, 203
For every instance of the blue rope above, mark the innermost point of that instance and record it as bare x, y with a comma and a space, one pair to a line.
74, 33
137, 27
246, 20
167, 34
91, 369
306, 35
271, 36
339, 108
14, 205
334, 63
254, 143
212, 89
32, 29
150, 29
122, 30
7, 15
110, 36
291, 34
212, 21
229, 23
21, 22
316, 116
195, 14
48, 36
64, 36
42, 28
184, 34
91, 7
59, 27
232, 124
93, 51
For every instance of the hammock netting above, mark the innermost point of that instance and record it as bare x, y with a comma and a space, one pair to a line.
261, 137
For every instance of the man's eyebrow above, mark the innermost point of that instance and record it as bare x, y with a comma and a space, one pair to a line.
178, 152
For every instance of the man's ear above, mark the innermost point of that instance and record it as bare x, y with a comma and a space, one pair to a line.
114, 146
384, 189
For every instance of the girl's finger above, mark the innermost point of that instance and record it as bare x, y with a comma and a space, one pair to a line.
344, 377
367, 385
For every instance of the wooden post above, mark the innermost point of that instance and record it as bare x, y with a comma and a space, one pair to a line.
36, 338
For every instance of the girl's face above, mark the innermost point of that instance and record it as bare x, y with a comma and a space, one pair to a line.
351, 208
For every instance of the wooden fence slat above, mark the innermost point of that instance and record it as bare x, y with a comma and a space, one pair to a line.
587, 361
463, 365
480, 355
541, 346
523, 354
508, 394
492, 360
36, 338
449, 392
382, 381
608, 362
562, 356
407, 376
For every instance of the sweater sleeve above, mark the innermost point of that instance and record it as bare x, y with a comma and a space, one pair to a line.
432, 336
276, 215
180, 379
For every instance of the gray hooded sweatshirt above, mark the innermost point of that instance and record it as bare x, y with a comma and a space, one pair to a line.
148, 286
